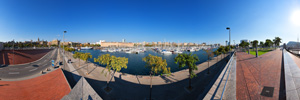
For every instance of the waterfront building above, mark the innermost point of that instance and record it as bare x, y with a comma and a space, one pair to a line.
117, 44
54, 42
174, 43
180, 44
185, 44
159, 43
293, 44
191, 44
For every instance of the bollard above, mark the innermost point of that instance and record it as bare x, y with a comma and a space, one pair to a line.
248, 50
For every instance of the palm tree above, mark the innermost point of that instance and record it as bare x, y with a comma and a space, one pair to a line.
254, 44
261, 44
156, 65
268, 43
277, 41
190, 61
112, 63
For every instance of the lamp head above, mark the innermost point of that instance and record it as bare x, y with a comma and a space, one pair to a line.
228, 28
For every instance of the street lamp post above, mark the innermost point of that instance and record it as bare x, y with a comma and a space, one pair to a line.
228, 28
64, 48
13, 51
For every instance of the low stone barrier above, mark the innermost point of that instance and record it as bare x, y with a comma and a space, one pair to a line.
292, 74
225, 85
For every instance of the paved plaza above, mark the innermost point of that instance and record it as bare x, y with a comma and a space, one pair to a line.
253, 74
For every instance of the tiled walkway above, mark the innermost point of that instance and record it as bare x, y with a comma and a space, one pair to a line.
255, 73
51, 86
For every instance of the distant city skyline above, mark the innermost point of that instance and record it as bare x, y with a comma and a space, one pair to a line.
150, 21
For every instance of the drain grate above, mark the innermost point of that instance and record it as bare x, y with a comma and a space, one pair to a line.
267, 91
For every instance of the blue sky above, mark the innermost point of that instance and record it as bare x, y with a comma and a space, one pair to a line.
148, 20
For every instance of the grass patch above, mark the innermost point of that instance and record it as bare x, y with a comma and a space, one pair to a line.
260, 52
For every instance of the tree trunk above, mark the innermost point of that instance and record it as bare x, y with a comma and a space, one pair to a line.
190, 80
87, 69
110, 79
150, 86
208, 66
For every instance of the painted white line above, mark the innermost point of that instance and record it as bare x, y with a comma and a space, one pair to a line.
13, 68
14, 73
33, 69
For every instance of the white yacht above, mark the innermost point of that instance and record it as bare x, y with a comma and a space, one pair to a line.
104, 50
85, 48
166, 52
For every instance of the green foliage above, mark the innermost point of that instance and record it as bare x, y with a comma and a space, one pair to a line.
244, 44
254, 43
268, 43
148, 45
277, 41
221, 49
227, 48
188, 60
95, 45
85, 56
69, 49
112, 62
77, 55
261, 43
210, 53
260, 52
157, 64
217, 52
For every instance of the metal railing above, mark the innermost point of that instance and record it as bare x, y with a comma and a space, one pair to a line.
228, 72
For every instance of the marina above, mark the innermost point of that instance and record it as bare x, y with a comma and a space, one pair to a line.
136, 65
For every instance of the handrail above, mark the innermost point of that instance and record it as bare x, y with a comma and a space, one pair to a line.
227, 77
223, 77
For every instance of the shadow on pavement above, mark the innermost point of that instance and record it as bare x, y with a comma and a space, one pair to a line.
282, 92
122, 89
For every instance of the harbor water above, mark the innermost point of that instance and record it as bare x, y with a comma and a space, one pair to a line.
136, 66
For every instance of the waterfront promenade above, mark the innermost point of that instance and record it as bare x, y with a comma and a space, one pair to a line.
137, 86
253, 74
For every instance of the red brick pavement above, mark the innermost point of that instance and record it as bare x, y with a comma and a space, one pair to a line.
255, 73
52, 86
21, 56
